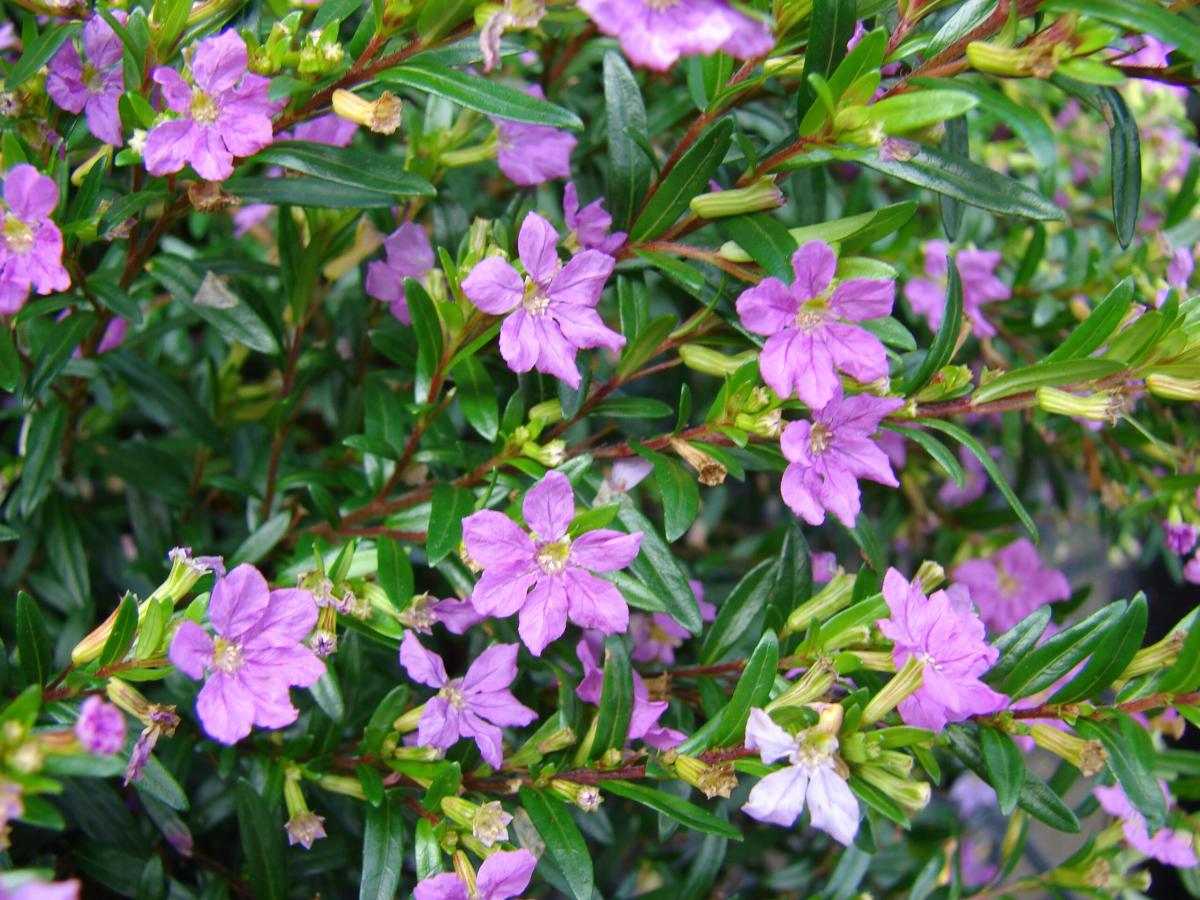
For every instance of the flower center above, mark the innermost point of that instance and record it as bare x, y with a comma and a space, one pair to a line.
927, 659
552, 558
813, 748
661, 5
819, 439
18, 236
812, 315
535, 301
659, 636
204, 108
1009, 586
452, 694
93, 79
227, 656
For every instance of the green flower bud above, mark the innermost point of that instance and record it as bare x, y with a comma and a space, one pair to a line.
710, 362
903, 684
757, 197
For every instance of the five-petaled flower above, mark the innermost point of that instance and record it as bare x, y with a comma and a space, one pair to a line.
1011, 584
31, 246
655, 33
977, 271
948, 640
92, 84
828, 455
474, 706
551, 312
257, 654
226, 114
546, 575
643, 719
810, 779
409, 255
809, 327
503, 876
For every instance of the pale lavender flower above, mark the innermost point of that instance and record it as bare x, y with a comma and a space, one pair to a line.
515, 14
100, 727
1180, 537
1169, 847
305, 828
257, 654
474, 706
457, 615
949, 639
624, 476
655, 33
36, 889
643, 720
977, 271
1147, 52
547, 576
971, 793
531, 154
8, 36
587, 228
503, 876
1179, 272
226, 114
31, 245
828, 455
409, 255
92, 84
1011, 584
656, 637
550, 314
809, 330
810, 779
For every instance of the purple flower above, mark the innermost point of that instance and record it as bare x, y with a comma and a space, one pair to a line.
948, 638
655, 33
100, 727
643, 720
1191, 571
531, 154
31, 245
656, 637
1011, 584
824, 567
1148, 52
161, 720
625, 475
258, 653
974, 482
1179, 272
457, 615
226, 114
546, 575
95, 86
976, 269
977, 867
551, 313
810, 778
1180, 537
588, 227
503, 876
1172, 848
828, 455
808, 328
409, 255
36, 889
971, 794
473, 706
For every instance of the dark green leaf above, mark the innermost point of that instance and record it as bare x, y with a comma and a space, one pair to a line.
616, 698
37, 53
1016, 642
262, 540
738, 614
878, 800
40, 461
477, 397
1139, 16
941, 351
1131, 759
1125, 161
123, 630
33, 641
209, 296
830, 31
261, 834
645, 346
347, 166
383, 850
1061, 653
1092, 332
955, 143
658, 569
563, 841
633, 408
56, 350
306, 192
395, 571
10, 362
1005, 768
766, 240
679, 490
689, 177
753, 690
428, 328
1045, 374
935, 448
683, 811
629, 171
450, 506
1110, 657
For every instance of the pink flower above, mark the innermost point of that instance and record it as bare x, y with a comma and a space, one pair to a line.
474, 706
977, 270
588, 227
1179, 272
257, 654
810, 778
655, 34
971, 794
36, 889
226, 114
551, 313
643, 720
546, 576
1170, 847
503, 876
948, 638
31, 245
809, 335
828, 455
824, 567
656, 637
95, 86
409, 255
531, 154
1011, 584
100, 727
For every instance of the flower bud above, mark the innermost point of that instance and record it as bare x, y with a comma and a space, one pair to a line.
709, 471
558, 740
585, 796
464, 870
417, 754
767, 425
812, 685
549, 455
1103, 406
409, 721
469, 156
1169, 387
1157, 656
382, 115
549, 412
342, 784
710, 362
947, 382
834, 596
757, 197
459, 811
913, 796
902, 685
367, 239
1087, 756
931, 575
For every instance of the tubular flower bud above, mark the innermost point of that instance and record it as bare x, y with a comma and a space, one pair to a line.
931, 575
710, 362
834, 596
767, 425
813, 685
559, 740
548, 412
1103, 406
1087, 756
459, 811
464, 870
913, 796
550, 454
757, 197
409, 721
709, 471
1157, 656
1171, 388
903, 684
342, 784
303, 826
585, 796
382, 115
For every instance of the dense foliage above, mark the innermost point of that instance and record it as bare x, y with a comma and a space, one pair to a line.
672, 448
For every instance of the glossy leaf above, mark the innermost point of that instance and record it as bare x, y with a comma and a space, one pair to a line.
563, 841
625, 113
383, 850
688, 178
686, 813
616, 697
345, 165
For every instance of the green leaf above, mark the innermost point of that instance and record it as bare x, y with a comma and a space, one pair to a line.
481, 94
383, 850
346, 166
657, 568
209, 296
328, 695
33, 641
633, 408
625, 115
1138, 16
306, 192
919, 109
1184, 673
830, 30
956, 142
683, 811
935, 448
753, 690
261, 834
1090, 334
1005, 768
379, 725
989, 465
1016, 642
1110, 657
10, 362
1131, 760
563, 841
395, 571
449, 507
262, 540
679, 490
1045, 374
56, 350
645, 346
941, 351
1125, 162
477, 397
616, 697
878, 800
439, 19
37, 53
738, 614
765, 239
121, 637
689, 177
428, 328
40, 460
1061, 653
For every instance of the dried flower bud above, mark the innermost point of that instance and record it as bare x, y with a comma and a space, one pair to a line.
382, 115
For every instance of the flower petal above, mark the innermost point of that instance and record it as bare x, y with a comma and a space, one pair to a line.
423, 666
501, 708
778, 798
763, 735
487, 737
860, 299
494, 540
544, 615
238, 601
440, 724
814, 265
537, 245
768, 307
494, 286
605, 550
219, 62
832, 805
549, 506
519, 341
191, 649
493, 670
446, 886
225, 708
595, 603
582, 280
500, 592
505, 874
